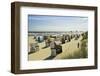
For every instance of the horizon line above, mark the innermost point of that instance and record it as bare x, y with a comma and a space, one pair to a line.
54, 31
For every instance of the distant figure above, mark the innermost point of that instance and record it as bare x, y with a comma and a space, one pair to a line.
78, 45
69, 39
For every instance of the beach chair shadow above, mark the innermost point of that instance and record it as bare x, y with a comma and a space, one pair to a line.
50, 57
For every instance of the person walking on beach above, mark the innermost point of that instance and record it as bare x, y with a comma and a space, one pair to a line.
78, 45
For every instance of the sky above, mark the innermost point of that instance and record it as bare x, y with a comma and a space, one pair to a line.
57, 23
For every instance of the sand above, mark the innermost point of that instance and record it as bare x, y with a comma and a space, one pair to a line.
68, 48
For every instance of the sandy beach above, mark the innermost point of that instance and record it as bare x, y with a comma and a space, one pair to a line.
68, 48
